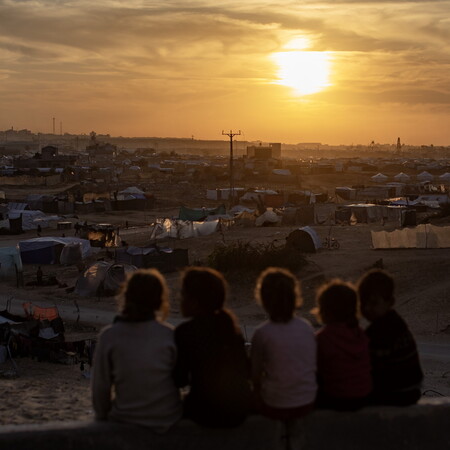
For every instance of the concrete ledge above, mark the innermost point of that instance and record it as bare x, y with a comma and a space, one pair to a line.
419, 427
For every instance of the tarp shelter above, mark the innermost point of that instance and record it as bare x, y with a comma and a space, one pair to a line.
421, 236
369, 213
163, 259
32, 218
10, 262
402, 177
379, 178
304, 239
425, 176
48, 250
445, 178
102, 278
200, 213
183, 229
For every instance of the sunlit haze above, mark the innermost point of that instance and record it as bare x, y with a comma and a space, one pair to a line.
337, 72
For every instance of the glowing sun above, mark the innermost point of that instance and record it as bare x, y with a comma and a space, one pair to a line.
305, 72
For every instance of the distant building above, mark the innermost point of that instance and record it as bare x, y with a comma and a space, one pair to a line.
263, 152
48, 158
99, 151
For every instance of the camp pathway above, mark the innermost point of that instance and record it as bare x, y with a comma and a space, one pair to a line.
435, 349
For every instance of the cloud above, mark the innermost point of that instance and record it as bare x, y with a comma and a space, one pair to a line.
202, 51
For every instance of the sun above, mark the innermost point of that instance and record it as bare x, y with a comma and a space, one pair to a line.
306, 72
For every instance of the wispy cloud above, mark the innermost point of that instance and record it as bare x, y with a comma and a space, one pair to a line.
198, 51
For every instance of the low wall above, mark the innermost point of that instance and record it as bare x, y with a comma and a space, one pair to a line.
419, 427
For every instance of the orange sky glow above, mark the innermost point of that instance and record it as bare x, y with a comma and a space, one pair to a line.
337, 72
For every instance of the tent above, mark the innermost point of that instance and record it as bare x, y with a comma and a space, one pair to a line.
10, 262
102, 278
182, 229
425, 176
445, 178
48, 250
304, 239
421, 236
379, 178
402, 177
200, 213
163, 259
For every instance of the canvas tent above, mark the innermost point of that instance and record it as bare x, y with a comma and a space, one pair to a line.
102, 278
163, 259
51, 250
421, 236
10, 262
379, 178
445, 178
304, 239
425, 176
182, 229
200, 213
402, 177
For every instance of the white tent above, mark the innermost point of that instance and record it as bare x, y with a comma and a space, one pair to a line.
425, 176
379, 178
402, 177
422, 236
445, 178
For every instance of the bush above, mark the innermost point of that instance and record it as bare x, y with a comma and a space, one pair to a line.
239, 256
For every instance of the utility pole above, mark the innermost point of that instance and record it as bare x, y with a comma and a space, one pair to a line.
53, 125
231, 136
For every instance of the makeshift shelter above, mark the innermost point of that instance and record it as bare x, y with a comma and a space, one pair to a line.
304, 239
182, 229
10, 262
163, 259
48, 250
401, 177
445, 178
425, 176
102, 279
199, 214
379, 178
421, 236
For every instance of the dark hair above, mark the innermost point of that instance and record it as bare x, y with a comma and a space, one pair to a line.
143, 295
376, 282
337, 302
203, 290
203, 294
278, 290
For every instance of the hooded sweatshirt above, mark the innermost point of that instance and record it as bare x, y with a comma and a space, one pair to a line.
343, 361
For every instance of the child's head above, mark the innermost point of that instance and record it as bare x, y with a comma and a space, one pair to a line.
337, 302
143, 295
376, 294
278, 290
203, 291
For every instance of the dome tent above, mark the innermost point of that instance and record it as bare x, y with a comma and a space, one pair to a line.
304, 239
102, 278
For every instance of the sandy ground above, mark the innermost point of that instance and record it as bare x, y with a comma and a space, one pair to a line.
46, 391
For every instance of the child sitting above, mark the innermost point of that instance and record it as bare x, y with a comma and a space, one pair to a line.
132, 373
211, 353
396, 370
283, 350
343, 361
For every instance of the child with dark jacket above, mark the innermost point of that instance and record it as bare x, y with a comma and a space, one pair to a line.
396, 370
212, 359
343, 360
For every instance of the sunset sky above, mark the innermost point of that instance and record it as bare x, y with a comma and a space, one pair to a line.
337, 72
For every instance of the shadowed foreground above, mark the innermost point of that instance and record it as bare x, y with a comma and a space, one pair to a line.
425, 425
